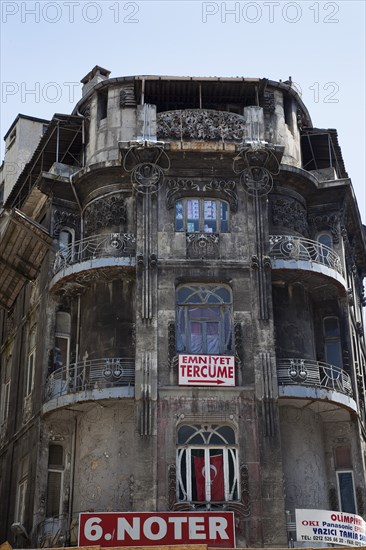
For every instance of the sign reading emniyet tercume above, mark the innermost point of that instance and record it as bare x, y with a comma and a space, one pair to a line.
330, 527
206, 370
157, 528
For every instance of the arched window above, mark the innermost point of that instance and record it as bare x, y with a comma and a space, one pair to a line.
55, 481
207, 463
66, 241
326, 242
204, 320
202, 216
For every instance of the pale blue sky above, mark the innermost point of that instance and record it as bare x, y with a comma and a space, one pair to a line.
48, 46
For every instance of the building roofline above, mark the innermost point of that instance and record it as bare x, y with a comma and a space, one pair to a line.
26, 117
284, 86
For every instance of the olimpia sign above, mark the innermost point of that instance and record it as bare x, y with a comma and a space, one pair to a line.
330, 527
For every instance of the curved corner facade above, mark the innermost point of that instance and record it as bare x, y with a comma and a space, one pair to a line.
187, 333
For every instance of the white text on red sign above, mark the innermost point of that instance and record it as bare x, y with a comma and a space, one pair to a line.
163, 528
206, 370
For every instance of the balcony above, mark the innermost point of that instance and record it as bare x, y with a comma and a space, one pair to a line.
112, 250
293, 252
90, 379
304, 378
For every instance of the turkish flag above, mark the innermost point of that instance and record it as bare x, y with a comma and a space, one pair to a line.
215, 477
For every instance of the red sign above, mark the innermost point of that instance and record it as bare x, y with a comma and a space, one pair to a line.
206, 370
157, 528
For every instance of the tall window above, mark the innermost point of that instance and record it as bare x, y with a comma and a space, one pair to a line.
20, 508
204, 320
202, 216
346, 491
326, 241
54, 481
5, 386
332, 341
345, 484
31, 360
207, 463
65, 241
62, 340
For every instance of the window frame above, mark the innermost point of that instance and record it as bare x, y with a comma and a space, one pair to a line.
5, 401
58, 469
29, 382
332, 340
201, 216
346, 471
66, 251
222, 316
185, 479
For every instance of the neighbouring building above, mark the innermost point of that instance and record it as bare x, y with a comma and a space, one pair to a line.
181, 292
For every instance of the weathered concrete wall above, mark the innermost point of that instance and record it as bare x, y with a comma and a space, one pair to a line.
105, 463
303, 456
293, 318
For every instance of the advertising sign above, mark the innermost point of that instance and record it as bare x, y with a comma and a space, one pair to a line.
206, 370
330, 527
157, 528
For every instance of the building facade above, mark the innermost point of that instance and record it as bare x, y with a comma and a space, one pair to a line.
181, 274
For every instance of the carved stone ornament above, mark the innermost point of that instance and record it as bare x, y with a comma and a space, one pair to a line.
325, 222
64, 218
127, 96
104, 213
177, 188
203, 246
268, 102
200, 125
289, 213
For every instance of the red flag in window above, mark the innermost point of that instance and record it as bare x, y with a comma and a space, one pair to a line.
215, 477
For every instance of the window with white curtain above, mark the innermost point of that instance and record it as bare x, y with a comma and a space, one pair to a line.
204, 319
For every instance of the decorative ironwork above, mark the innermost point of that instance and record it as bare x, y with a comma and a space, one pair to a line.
201, 125
105, 212
99, 246
239, 348
172, 486
147, 165
171, 343
88, 375
203, 245
257, 163
228, 188
245, 495
256, 180
305, 372
64, 218
289, 247
127, 96
289, 213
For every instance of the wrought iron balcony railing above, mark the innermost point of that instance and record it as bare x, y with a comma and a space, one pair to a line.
99, 246
304, 372
291, 247
95, 374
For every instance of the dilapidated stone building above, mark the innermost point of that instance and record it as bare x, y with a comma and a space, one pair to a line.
181, 267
